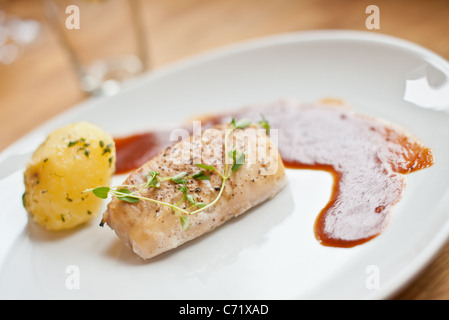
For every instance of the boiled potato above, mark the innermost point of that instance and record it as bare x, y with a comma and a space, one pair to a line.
72, 159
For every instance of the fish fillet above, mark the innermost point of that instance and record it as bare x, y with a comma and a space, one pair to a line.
150, 228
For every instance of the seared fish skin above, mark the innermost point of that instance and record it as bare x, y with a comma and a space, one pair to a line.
150, 229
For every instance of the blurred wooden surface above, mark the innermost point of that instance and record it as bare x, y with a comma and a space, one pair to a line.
42, 84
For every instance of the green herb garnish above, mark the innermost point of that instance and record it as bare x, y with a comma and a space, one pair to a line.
264, 124
188, 205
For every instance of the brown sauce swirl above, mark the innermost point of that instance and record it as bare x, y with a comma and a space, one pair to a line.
367, 158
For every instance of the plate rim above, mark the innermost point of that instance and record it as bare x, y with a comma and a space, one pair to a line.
233, 48
438, 240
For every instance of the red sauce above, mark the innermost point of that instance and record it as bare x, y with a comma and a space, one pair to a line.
367, 158
133, 151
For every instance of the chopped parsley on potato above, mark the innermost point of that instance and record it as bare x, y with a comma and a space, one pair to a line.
72, 159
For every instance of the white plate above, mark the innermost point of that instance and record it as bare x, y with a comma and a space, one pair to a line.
271, 251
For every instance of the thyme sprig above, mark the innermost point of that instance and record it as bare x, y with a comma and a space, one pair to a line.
190, 206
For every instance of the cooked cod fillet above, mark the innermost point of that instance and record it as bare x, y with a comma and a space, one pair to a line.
150, 228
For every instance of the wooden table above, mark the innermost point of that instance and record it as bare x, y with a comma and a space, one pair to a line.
41, 84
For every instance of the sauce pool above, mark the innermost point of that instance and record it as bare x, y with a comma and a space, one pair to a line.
367, 158
133, 151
